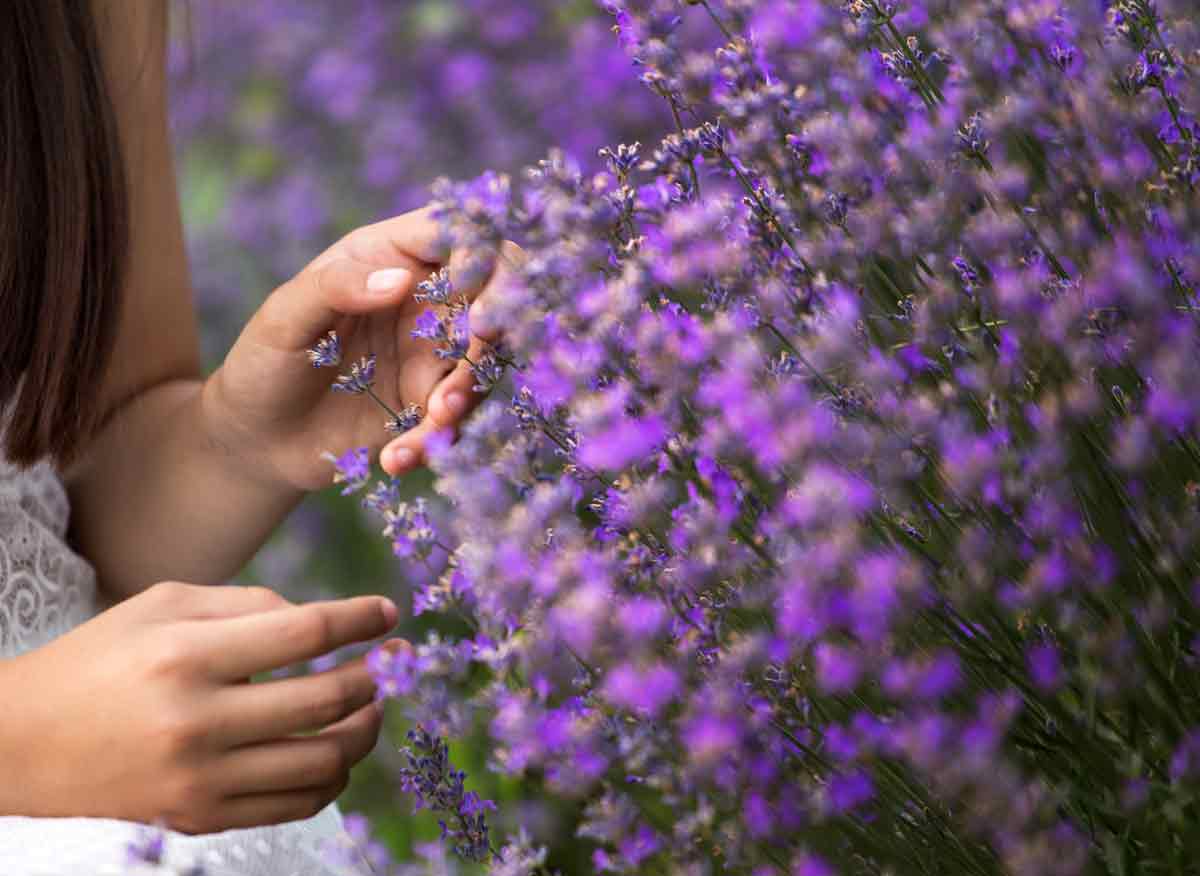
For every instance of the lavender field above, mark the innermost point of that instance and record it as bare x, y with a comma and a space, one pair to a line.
835, 508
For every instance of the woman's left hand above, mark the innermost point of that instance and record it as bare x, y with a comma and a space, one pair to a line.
272, 410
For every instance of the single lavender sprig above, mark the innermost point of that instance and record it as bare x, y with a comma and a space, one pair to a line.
410, 529
450, 332
359, 379
327, 353
435, 784
437, 289
352, 468
408, 418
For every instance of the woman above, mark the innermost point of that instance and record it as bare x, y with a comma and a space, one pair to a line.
126, 695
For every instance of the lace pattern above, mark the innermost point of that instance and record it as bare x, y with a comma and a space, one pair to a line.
45, 587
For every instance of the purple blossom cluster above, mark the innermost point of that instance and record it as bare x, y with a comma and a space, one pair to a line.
295, 124
436, 784
837, 505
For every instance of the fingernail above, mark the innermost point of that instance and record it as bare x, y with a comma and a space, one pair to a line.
380, 706
387, 280
403, 458
456, 403
391, 613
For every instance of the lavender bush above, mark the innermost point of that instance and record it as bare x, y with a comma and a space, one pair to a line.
836, 508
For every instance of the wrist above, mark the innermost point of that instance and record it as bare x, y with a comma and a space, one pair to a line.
237, 447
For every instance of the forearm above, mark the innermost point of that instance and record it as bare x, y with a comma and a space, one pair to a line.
159, 495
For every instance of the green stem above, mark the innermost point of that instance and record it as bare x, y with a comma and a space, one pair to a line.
720, 24
670, 98
383, 404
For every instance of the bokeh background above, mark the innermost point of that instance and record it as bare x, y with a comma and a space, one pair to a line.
296, 122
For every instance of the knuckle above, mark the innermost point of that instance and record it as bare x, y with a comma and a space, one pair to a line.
329, 281
190, 804
172, 656
265, 597
332, 764
192, 790
177, 730
168, 591
331, 701
309, 630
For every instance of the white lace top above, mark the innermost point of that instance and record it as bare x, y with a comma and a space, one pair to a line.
45, 590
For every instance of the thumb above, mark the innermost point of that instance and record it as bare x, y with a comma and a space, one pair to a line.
310, 304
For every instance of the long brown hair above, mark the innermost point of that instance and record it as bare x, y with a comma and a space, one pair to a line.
64, 227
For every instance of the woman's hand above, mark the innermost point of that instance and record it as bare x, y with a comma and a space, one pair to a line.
271, 409
144, 712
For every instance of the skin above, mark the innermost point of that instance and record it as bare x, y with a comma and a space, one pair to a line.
146, 711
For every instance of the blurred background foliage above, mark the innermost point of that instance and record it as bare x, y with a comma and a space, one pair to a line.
297, 122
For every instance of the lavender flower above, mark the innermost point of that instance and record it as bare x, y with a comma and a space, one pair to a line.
435, 784
841, 514
408, 418
410, 529
327, 353
437, 289
360, 378
450, 332
352, 468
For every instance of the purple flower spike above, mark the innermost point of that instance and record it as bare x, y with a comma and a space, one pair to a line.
407, 419
352, 468
437, 289
327, 353
432, 780
360, 379
429, 327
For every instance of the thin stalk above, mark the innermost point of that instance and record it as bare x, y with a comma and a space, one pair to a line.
670, 98
828, 387
383, 404
716, 20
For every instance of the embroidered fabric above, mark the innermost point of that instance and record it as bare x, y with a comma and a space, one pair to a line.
47, 589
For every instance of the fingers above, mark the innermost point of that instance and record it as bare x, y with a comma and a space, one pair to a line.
262, 642
452, 399
414, 235
198, 602
322, 760
409, 450
273, 709
303, 309
483, 319
454, 396
255, 810
292, 779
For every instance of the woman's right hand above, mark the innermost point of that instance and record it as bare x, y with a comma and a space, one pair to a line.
145, 713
